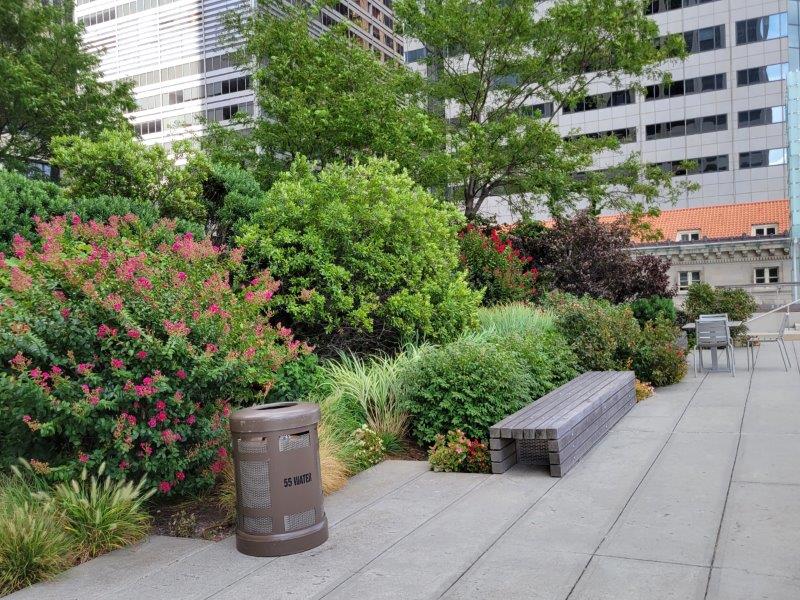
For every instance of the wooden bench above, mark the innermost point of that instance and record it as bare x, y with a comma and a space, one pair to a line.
560, 427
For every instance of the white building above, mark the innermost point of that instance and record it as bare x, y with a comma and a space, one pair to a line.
725, 108
174, 50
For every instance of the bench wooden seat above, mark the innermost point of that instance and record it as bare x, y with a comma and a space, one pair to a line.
560, 427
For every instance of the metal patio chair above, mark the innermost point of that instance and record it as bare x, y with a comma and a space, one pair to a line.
765, 337
714, 335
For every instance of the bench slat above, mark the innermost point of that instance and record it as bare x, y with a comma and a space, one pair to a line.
555, 445
547, 401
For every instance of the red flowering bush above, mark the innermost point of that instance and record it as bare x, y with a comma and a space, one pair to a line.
128, 345
495, 266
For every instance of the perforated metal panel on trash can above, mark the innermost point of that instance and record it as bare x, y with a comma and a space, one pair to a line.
278, 486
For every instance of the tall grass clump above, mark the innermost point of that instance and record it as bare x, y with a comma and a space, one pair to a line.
103, 514
33, 544
515, 317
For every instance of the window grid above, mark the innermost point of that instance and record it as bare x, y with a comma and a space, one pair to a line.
670, 129
604, 100
760, 29
687, 278
762, 116
762, 158
685, 87
701, 40
706, 164
765, 74
625, 135
766, 275
659, 6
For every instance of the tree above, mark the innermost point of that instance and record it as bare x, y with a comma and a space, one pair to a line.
117, 164
582, 256
367, 259
327, 98
493, 59
50, 85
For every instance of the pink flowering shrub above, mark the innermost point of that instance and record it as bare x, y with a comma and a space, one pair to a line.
129, 345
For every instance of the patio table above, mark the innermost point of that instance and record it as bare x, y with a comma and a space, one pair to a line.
714, 357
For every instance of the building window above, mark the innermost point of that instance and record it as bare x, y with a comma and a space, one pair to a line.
659, 6
762, 158
762, 28
766, 275
701, 40
657, 131
543, 110
685, 87
606, 100
756, 75
416, 55
687, 278
762, 116
706, 164
691, 235
770, 229
625, 135
147, 127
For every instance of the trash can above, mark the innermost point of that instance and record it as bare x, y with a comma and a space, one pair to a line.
278, 488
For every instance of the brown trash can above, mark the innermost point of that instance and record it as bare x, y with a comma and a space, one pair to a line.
278, 487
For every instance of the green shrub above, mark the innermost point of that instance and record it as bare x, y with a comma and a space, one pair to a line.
602, 335
653, 309
657, 358
547, 356
298, 380
117, 347
368, 258
22, 199
469, 384
704, 299
495, 267
103, 515
454, 452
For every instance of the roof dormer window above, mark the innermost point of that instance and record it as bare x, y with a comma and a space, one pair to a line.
690, 235
769, 229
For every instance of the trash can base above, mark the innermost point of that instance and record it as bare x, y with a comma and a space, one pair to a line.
282, 544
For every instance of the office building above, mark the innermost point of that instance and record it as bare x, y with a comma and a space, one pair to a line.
177, 54
724, 109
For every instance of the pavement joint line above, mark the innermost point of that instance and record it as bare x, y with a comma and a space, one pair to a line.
651, 560
766, 483
425, 522
103, 595
758, 573
733, 470
638, 485
330, 525
502, 534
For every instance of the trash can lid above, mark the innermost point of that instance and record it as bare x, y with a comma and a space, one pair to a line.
274, 417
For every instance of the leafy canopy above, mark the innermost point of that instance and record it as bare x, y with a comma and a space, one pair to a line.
327, 98
50, 85
366, 256
492, 60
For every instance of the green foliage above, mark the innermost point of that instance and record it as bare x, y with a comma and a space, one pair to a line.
103, 515
516, 317
602, 335
50, 83
126, 345
328, 99
519, 51
298, 380
362, 251
368, 447
653, 309
704, 299
101, 208
455, 452
547, 356
116, 164
495, 267
469, 384
657, 358
232, 196
22, 199
33, 544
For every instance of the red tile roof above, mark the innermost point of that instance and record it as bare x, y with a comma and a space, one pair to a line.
720, 221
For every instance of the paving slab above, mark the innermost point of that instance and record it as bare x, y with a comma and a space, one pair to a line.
609, 578
93, 580
674, 515
700, 418
767, 458
439, 551
761, 530
355, 541
733, 584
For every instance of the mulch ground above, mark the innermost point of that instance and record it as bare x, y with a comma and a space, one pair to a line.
192, 518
